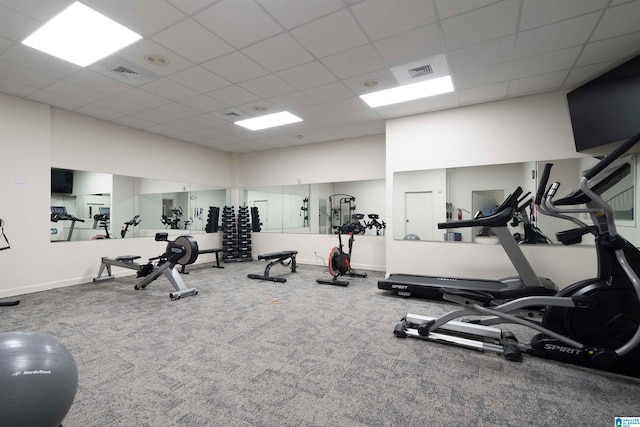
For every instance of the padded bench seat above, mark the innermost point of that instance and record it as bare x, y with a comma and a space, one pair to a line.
284, 258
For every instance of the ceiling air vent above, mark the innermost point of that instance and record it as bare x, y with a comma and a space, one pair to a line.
421, 71
124, 71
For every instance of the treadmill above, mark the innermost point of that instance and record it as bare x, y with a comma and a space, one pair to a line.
527, 283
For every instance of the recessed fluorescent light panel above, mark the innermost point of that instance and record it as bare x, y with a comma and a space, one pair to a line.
81, 36
269, 121
409, 92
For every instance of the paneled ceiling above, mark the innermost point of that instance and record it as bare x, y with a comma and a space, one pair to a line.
203, 64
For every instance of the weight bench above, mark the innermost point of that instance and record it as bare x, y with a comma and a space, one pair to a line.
206, 251
278, 258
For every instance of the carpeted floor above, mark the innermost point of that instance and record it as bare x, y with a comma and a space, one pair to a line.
254, 353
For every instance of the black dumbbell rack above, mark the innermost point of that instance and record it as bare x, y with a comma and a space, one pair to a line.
212, 219
236, 235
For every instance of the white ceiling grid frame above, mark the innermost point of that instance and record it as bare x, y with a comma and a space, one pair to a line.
229, 53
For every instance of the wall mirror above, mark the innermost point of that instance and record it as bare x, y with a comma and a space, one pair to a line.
319, 208
424, 198
94, 206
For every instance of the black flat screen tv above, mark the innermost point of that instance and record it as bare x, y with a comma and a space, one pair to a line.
61, 181
606, 109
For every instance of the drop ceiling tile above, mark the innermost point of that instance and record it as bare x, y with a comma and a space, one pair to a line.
545, 63
537, 13
136, 54
91, 79
235, 67
354, 62
582, 75
291, 14
329, 92
482, 54
190, 7
32, 59
24, 75
38, 10
384, 78
610, 49
308, 75
76, 92
16, 26
291, 100
483, 93
382, 19
5, 44
192, 41
199, 79
98, 112
233, 95
411, 45
537, 84
178, 110
204, 103
204, 121
120, 106
56, 100
156, 15
143, 98
344, 34
169, 89
165, 130
154, 116
552, 37
249, 22
482, 76
16, 89
480, 25
618, 21
133, 122
448, 8
278, 53
267, 86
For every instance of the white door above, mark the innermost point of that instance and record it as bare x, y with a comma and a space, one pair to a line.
419, 214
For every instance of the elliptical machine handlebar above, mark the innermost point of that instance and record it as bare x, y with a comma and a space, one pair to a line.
619, 151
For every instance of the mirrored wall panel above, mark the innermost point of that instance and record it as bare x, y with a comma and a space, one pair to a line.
353, 206
423, 199
96, 206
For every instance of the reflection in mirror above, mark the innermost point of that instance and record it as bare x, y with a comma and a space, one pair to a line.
422, 199
80, 205
622, 196
94, 206
171, 205
306, 208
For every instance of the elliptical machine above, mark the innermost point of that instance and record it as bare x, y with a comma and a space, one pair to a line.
592, 323
340, 262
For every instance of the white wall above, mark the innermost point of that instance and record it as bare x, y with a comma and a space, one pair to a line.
516, 130
336, 161
34, 137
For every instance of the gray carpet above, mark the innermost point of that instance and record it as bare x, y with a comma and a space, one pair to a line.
254, 353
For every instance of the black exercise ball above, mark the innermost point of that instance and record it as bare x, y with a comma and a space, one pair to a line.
38, 380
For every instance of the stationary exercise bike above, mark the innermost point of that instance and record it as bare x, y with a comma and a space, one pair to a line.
339, 262
593, 323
